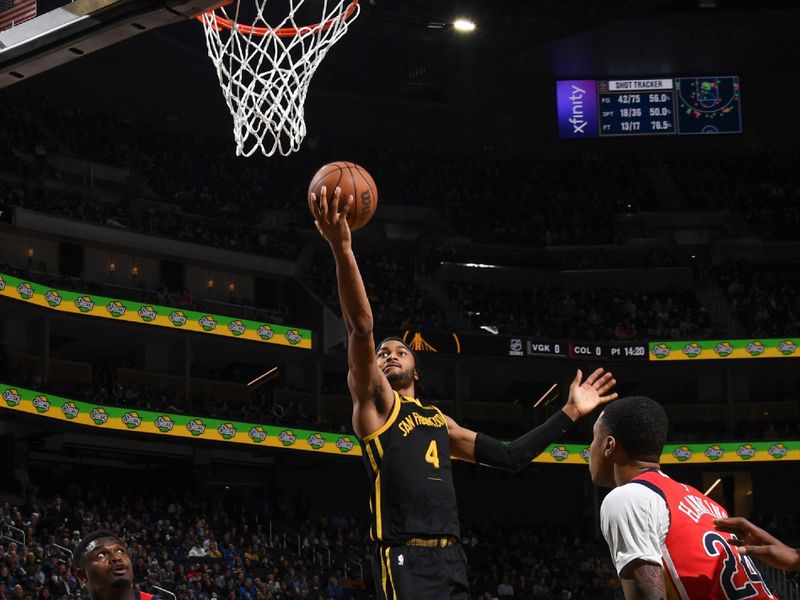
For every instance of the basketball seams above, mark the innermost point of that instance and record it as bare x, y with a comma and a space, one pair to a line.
359, 182
323, 176
356, 222
317, 182
373, 188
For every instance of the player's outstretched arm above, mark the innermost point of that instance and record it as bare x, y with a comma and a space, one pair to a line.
584, 396
371, 393
754, 541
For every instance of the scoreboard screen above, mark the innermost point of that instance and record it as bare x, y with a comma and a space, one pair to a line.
589, 108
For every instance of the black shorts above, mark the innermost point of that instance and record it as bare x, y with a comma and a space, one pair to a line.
414, 573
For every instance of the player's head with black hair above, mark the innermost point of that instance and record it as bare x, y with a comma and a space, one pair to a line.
104, 565
630, 431
86, 545
398, 362
639, 424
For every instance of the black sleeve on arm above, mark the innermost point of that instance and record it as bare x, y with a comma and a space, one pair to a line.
520, 452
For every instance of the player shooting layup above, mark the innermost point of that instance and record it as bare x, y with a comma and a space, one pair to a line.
407, 445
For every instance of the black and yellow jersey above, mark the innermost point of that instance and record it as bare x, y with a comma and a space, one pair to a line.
408, 461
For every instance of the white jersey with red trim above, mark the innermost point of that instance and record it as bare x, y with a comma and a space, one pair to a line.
699, 562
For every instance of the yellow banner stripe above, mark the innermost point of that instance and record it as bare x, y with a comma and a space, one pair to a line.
37, 404
65, 301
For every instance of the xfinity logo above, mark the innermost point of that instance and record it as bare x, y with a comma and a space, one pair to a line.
577, 108
577, 120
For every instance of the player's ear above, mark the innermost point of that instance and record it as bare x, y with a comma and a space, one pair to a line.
609, 446
80, 573
416, 375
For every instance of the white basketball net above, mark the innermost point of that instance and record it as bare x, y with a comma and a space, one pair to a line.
265, 70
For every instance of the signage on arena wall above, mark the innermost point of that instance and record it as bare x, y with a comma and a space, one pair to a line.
173, 425
151, 314
725, 349
477, 344
291, 438
727, 452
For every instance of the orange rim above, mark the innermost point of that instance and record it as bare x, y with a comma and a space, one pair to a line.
224, 23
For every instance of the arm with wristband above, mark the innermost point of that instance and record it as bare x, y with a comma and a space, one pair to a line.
584, 397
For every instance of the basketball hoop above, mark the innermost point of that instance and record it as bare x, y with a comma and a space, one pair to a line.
265, 71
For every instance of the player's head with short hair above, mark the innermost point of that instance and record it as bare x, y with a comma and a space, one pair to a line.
103, 564
632, 429
89, 542
398, 362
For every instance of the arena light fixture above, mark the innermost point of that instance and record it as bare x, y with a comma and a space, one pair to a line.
264, 377
464, 25
546, 395
713, 485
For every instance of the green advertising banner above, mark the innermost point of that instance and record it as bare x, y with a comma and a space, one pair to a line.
174, 425
235, 432
152, 314
690, 453
724, 349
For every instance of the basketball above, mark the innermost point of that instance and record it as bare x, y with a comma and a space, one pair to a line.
353, 180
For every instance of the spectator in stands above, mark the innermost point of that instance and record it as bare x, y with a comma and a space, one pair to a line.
57, 513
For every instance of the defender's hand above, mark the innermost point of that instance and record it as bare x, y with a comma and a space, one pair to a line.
585, 397
330, 221
754, 541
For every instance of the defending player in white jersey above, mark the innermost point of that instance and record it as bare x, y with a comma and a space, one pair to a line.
661, 532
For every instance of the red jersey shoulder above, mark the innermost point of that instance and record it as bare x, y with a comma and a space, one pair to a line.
698, 559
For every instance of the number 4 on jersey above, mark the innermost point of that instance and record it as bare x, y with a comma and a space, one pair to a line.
432, 455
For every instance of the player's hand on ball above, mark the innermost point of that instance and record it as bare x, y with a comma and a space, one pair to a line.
330, 215
585, 396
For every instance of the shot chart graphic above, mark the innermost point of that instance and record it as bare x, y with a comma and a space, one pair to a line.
708, 105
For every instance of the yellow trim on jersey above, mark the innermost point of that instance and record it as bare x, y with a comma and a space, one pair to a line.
376, 510
378, 524
383, 580
421, 405
389, 569
371, 458
391, 419
437, 409
414, 400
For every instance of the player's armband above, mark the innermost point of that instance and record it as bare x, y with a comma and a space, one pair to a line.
520, 452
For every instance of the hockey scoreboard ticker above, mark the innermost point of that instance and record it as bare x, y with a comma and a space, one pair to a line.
589, 108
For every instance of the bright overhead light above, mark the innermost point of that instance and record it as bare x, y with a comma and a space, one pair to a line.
464, 25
